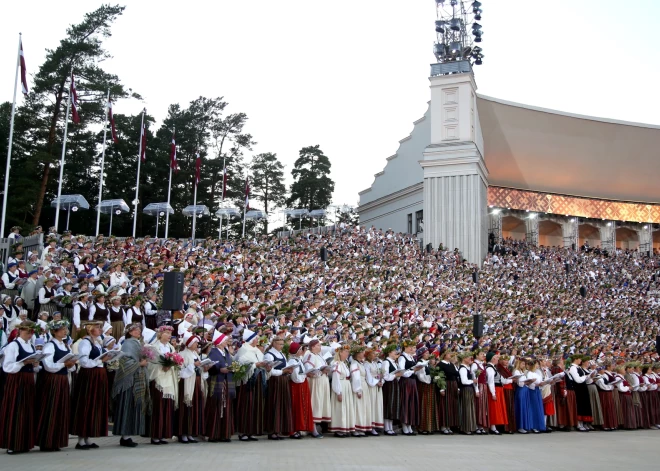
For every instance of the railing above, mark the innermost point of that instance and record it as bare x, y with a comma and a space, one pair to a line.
309, 230
5, 250
34, 244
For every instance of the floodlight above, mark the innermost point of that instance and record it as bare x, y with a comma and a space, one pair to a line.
455, 47
455, 24
74, 208
440, 26
476, 4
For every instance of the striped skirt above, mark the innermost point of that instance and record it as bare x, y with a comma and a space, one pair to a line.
654, 407
596, 409
467, 416
429, 415
638, 407
277, 417
628, 411
497, 408
301, 401
50, 308
17, 424
610, 419
481, 405
250, 404
118, 329
89, 403
452, 418
162, 414
67, 313
510, 402
647, 414
55, 399
189, 420
409, 400
616, 398
219, 411
391, 400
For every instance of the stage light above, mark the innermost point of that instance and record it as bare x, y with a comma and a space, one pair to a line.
440, 26
455, 47
476, 5
74, 208
455, 24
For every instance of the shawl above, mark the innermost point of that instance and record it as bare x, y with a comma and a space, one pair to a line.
249, 355
130, 375
167, 382
189, 382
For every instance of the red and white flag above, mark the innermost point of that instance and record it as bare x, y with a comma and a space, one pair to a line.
21, 58
198, 168
247, 193
111, 118
74, 101
224, 182
173, 162
143, 142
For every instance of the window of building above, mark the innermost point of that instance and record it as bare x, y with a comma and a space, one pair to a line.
410, 223
419, 220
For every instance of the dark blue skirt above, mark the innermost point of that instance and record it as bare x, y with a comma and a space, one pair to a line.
537, 413
522, 406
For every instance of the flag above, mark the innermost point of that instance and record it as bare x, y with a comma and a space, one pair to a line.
173, 162
247, 194
111, 118
224, 182
74, 101
143, 141
21, 58
198, 168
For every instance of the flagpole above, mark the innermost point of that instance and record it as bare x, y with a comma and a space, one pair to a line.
137, 184
245, 205
169, 191
105, 131
224, 178
194, 213
59, 184
11, 137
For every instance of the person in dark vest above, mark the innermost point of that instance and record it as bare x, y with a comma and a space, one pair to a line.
54, 397
481, 400
408, 394
450, 396
80, 313
278, 420
98, 311
468, 418
17, 428
117, 315
578, 377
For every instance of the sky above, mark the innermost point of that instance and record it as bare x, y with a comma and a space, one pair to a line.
352, 75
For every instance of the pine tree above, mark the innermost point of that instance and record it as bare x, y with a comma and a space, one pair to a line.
268, 182
312, 187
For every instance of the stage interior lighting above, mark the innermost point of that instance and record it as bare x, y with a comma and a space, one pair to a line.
455, 47
455, 24
440, 26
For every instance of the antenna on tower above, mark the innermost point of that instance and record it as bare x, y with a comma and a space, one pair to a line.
457, 33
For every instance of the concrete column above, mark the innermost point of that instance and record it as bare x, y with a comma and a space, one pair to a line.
495, 219
645, 239
532, 229
608, 237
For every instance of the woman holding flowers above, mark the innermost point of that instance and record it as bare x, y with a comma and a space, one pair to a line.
130, 391
163, 386
219, 417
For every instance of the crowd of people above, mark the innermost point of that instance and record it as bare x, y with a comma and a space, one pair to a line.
271, 340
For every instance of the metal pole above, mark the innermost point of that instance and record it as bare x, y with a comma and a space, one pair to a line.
105, 131
194, 214
112, 211
137, 184
157, 216
244, 210
169, 191
220, 230
68, 216
59, 184
11, 139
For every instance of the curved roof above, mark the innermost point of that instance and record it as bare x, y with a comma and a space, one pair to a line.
545, 150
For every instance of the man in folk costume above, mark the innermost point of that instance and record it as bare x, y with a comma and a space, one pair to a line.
251, 392
278, 420
481, 400
497, 410
219, 417
577, 378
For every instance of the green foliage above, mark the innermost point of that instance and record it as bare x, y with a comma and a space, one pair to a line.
268, 182
312, 187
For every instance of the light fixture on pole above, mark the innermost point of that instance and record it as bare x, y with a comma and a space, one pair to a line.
112, 207
226, 212
70, 203
456, 34
196, 211
158, 210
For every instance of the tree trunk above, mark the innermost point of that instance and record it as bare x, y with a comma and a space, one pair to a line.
51, 145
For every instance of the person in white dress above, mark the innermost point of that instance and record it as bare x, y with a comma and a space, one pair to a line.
361, 398
319, 383
375, 382
343, 409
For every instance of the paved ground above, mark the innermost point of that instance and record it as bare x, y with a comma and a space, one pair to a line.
558, 451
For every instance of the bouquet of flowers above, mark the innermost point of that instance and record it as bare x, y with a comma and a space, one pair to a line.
147, 353
438, 378
66, 300
171, 360
240, 370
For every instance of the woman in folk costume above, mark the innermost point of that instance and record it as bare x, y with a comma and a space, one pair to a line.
565, 398
450, 395
189, 419
163, 389
429, 408
117, 315
481, 400
251, 393
343, 409
301, 398
130, 391
278, 420
497, 414
522, 396
133, 313
80, 313
361, 398
391, 394
319, 384
375, 382
46, 296
99, 312
468, 419
639, 396
17, 430
54, 393
606, 397
653, 382
613, 380
592, 389
626, 398
219, 417
408, 395
89, 401
577, 378
536, 410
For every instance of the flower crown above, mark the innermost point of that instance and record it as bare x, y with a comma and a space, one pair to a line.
408, 343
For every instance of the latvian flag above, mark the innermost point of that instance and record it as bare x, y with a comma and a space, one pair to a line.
111, 118
198, 168
21, 57
173, 162
143, 141
224, 183
247, 194
74, 101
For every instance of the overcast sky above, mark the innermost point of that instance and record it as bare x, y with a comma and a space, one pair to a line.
352, 75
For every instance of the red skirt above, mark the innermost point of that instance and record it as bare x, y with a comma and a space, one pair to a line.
162, 414
549, 405
301, 400
189, 421
497, 408
89, 403
481, 405
409, 401
429, 416
510, 402
610, 419
567, 410
17, 413
277, 418
52, 432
